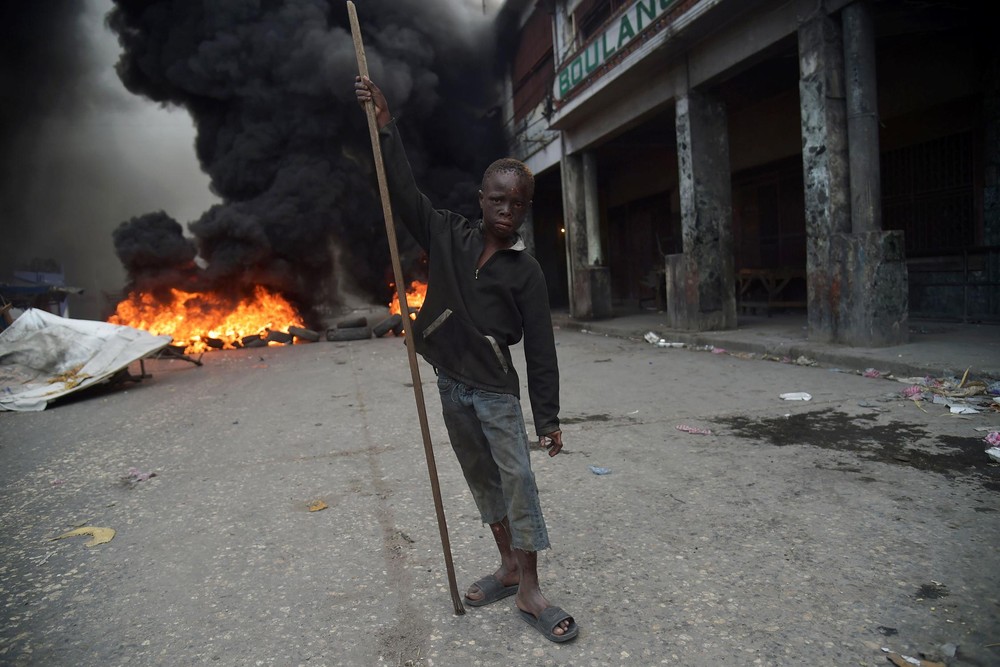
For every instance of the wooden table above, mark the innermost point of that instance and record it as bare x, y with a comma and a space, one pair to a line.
774, 282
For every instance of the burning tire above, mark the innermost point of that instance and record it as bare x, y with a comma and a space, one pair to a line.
279, 337
349, 333
353, 323
392, 323
304, 334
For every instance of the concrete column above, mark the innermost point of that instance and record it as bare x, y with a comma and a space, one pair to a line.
528, 231
592, 210
589, 284
824, 166
873, 303
862, 118
575, 220
701, 281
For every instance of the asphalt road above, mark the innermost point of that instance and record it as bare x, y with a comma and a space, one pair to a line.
796, 533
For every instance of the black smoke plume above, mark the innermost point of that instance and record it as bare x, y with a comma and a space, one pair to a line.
270, 87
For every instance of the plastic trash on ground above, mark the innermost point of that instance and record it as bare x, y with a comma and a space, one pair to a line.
693, 429
796, 396
597, 470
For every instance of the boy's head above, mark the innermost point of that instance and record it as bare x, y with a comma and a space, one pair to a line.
509, 165
505, 198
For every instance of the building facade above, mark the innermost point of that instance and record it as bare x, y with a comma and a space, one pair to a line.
717, 155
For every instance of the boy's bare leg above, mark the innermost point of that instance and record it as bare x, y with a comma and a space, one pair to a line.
508, 572
529, 594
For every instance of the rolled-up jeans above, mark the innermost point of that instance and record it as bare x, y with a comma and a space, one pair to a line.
488, 435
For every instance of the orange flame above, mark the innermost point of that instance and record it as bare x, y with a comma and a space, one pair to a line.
414, 299
192, 318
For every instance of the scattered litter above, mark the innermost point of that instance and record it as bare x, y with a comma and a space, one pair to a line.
718, 350
317, 505
99, 535
796, 396
43, 559
993, 438
993, 388
994, 453
597, 470
653, 338
962, 410
914, 391
134, 476
872, 373
693, 429
906, 661
804, 361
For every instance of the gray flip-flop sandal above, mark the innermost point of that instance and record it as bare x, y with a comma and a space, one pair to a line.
492, 589
547, 622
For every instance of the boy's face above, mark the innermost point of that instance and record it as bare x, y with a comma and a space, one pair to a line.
505, 201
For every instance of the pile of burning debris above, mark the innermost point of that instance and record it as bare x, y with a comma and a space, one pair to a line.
355, 328
203, 322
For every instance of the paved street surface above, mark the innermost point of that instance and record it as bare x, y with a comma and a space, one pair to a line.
796, 533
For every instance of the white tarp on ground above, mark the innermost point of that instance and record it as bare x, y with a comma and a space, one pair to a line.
44, 356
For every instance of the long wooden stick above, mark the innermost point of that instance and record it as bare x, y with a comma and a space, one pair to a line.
418, 391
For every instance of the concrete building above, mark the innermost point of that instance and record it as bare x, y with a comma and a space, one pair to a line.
717, 155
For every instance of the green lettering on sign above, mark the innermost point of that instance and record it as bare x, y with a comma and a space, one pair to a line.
625, 32
640, 16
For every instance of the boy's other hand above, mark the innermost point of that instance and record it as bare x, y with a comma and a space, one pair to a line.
366, 91
552, 442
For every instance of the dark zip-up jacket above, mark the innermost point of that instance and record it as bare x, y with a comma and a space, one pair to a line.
470, 317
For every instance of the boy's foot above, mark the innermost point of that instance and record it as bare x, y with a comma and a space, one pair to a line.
489, 589
554, 623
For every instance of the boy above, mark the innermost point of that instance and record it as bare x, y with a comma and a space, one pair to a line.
484, 293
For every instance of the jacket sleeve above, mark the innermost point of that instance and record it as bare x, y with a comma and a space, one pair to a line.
540, 355
409, 205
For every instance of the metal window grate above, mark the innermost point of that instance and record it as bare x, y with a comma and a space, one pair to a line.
927, 191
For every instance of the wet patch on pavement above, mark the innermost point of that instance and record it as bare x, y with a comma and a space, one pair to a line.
932, 591
892, 442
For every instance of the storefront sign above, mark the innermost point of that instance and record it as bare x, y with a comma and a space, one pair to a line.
616, 36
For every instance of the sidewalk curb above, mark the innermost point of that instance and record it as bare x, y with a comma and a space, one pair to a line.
823, 354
